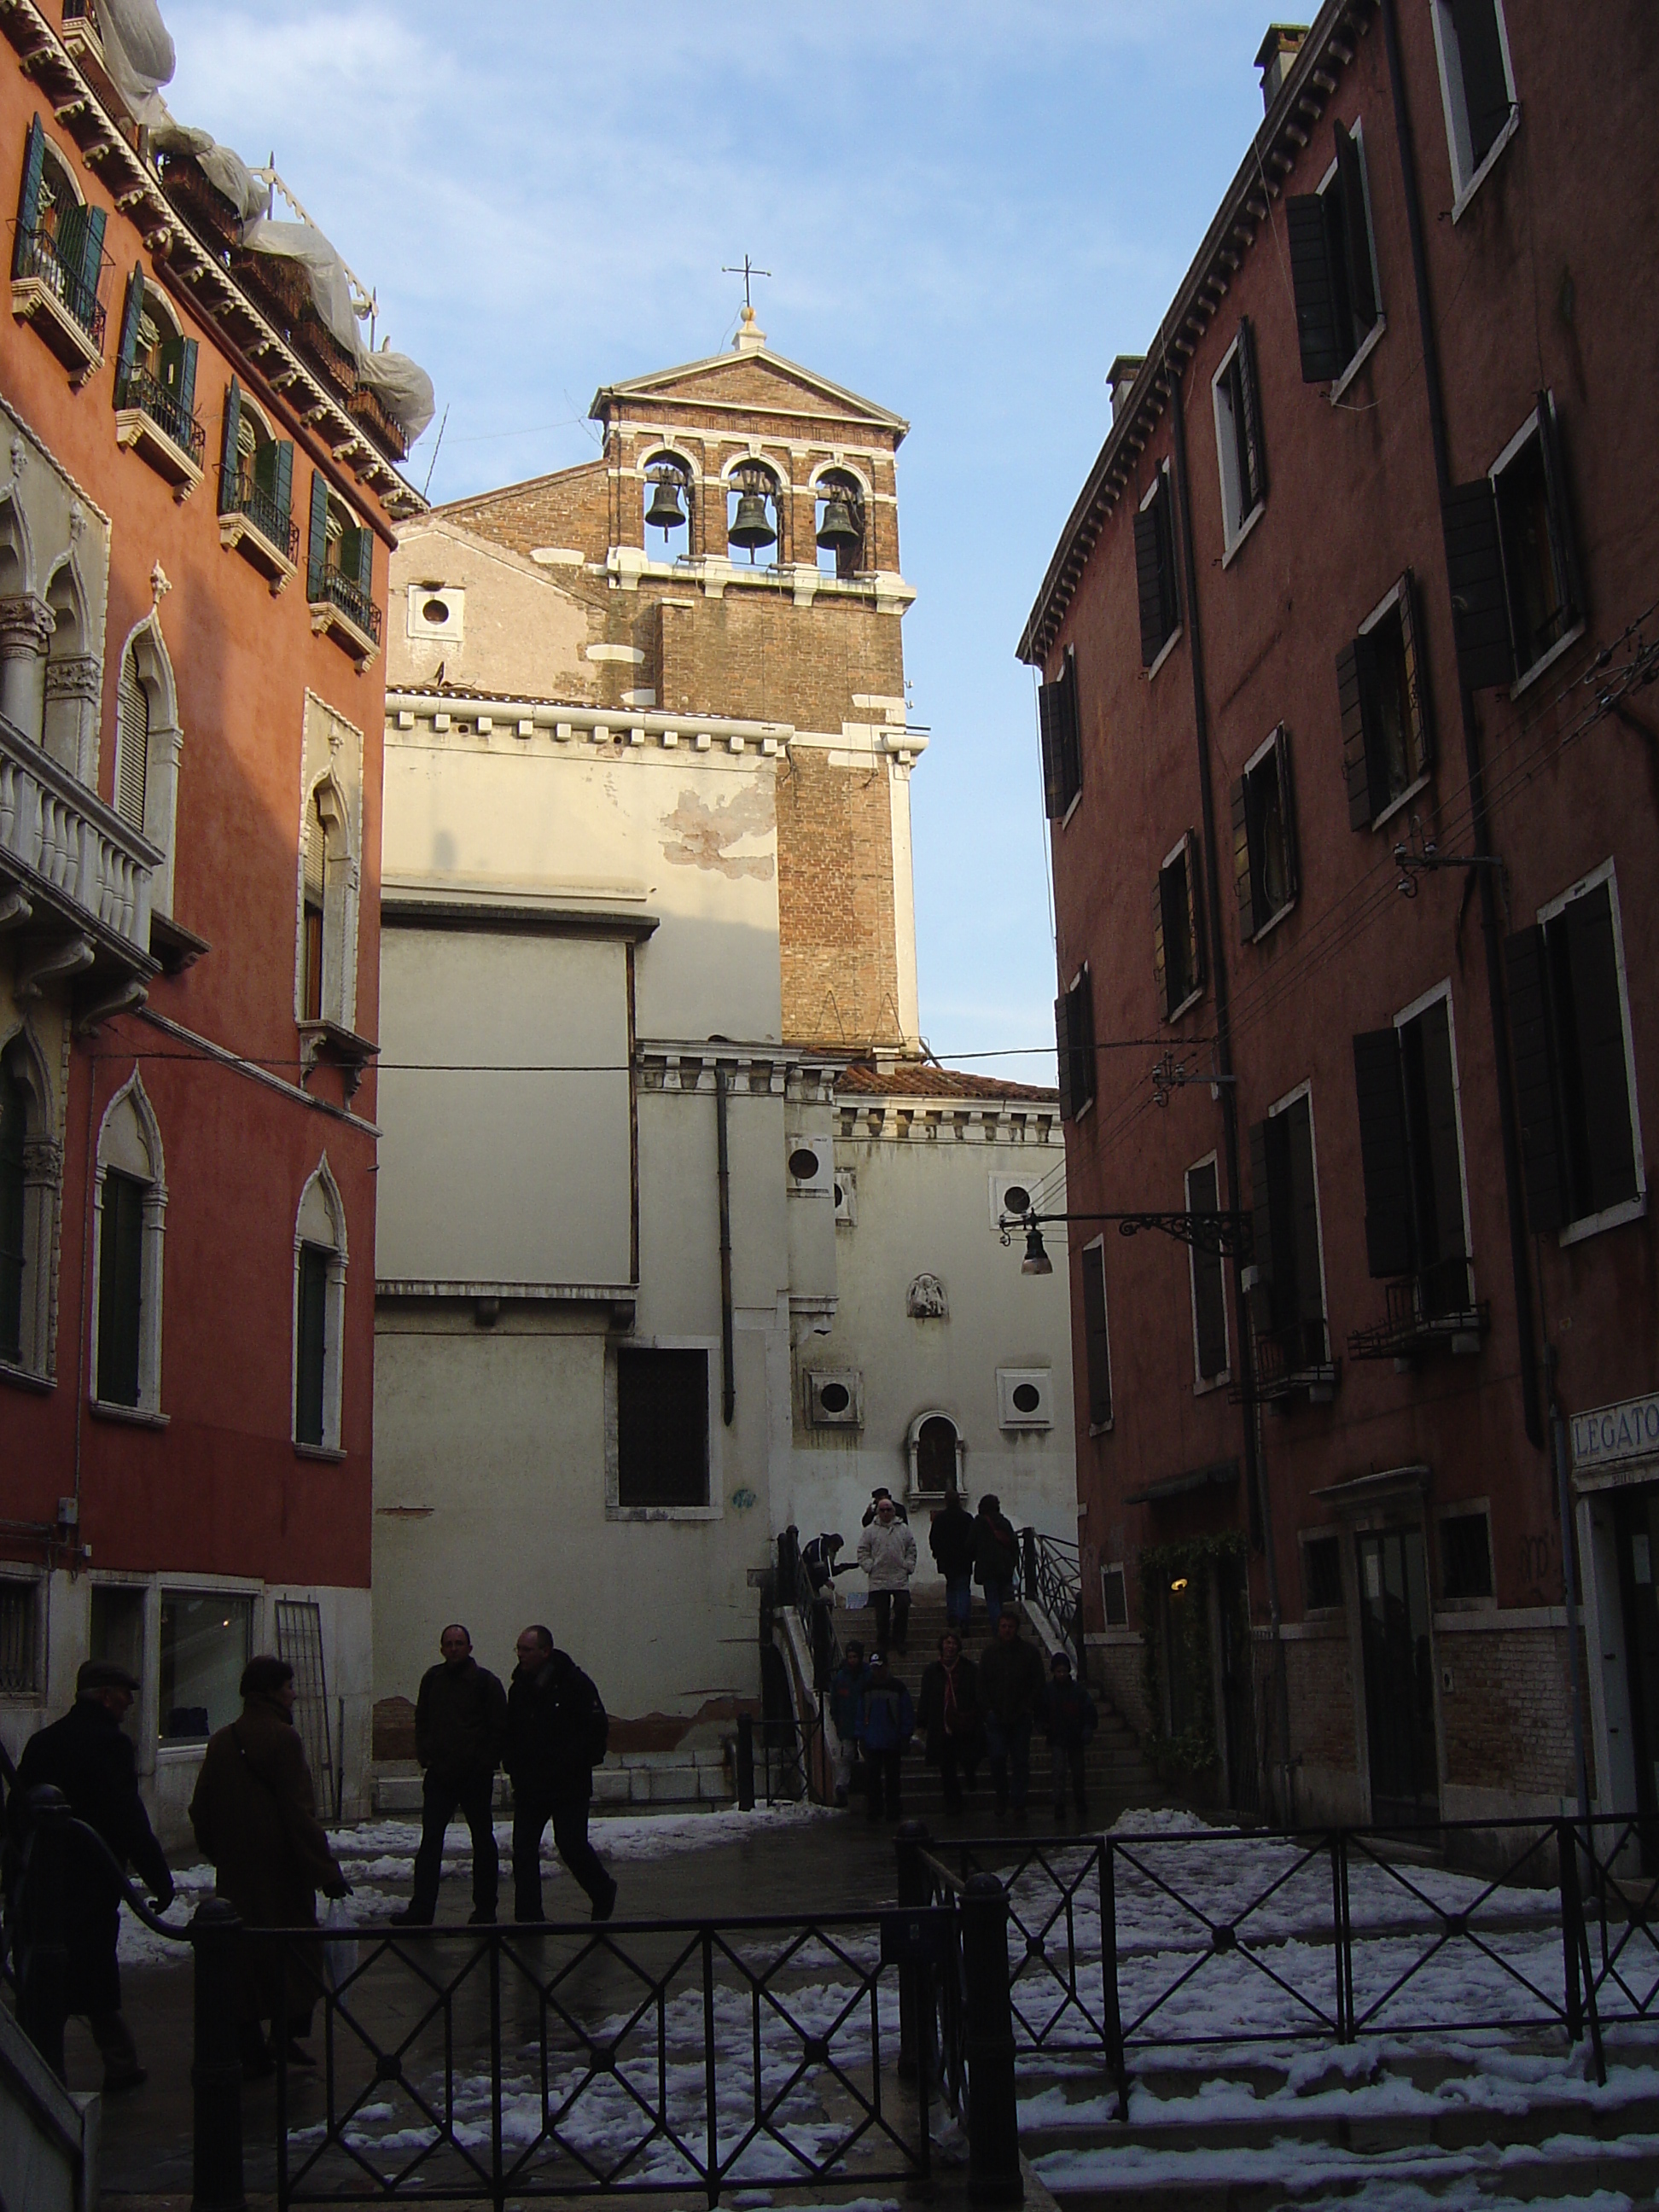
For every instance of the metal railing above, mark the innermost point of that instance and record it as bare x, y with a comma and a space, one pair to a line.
1051, 1578
36, 256
240, 495
167, 410
334, 587
1426, 1312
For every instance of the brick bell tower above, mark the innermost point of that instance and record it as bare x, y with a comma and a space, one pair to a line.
737, 544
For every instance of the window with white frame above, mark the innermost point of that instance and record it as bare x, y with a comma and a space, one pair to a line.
319, 1276
129, 1201
1074, 1040
1386, 742
147, 743
1061, 732
1209, 1289
330, 872
1288, 1301
1477, 87
1575, 1069
1156, 590
1264, 836
31, 1167
1512, 559
662, 1427
19, 1637
206, 1640
1177, 941
1333, 265
1096, 1342
935, 1450
1241, 451
1411, 1153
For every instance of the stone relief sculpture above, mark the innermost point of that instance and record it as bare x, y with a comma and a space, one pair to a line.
925, 1300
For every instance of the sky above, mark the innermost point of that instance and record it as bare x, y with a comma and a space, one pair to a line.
967, 211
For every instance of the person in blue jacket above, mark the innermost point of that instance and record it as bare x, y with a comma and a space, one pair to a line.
889, 1721
847, 1687
1071, 1721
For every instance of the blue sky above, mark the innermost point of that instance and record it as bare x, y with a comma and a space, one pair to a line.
968, 211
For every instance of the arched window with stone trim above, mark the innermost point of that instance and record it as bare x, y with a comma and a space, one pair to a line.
73, 676
840, 523
324, 992
147, 743
937, 1454
319, 1272
669, 505
30, 1171
755, 511
129, 1201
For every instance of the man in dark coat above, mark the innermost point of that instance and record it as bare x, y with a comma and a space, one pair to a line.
996, 1557
949, 1712
1072, 1721
1015, 1695
555, 1736
89, 1757
952, 1542
460, 1732
888, 1723
255, 1816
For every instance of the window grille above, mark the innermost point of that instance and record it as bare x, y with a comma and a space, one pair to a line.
20, 1668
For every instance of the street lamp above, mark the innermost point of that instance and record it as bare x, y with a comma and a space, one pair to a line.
1226, 1236
1036, 1261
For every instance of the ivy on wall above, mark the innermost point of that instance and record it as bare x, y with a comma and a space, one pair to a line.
1187, 1652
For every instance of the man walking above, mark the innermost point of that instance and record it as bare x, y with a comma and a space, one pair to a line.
556, 1732
889, 1724
951, 1541
1072, 1721
847, 1688
89, 1757
996, 1557
949, 1712
887, 1553
1015, 1696
460, 1731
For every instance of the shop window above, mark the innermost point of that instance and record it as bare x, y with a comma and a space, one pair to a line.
1096, 1344
319, 1273
1241, 452
206, 1641
1321, 1573
662, 1427
1156, 587
1264, 836
1074, 1039
1288, 1300
1209, 1290
129, 1209
1410, 1146
1477, 86
1177, 941
1062, 742
1333, 267
1574, 1069
1382, 699
1465, 1557
20, 1639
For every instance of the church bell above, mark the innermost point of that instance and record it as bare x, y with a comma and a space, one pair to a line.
664, 512
838, 529
752, 528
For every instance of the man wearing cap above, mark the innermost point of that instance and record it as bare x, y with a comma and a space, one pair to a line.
89, 1758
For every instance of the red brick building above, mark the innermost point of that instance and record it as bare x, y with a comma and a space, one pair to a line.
1350, 762
195, 494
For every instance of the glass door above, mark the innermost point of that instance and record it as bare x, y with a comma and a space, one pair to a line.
1394, 1614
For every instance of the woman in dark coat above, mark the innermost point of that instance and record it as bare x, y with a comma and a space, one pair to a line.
255, 1816
949, 1712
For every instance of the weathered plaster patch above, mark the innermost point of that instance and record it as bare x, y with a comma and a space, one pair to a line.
699, 835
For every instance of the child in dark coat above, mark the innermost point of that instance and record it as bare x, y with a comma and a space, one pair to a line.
1072, 1720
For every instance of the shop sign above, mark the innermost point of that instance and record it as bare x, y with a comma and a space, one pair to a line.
1612, 1433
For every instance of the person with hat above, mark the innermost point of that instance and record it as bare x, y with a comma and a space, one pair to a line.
90, 1758
1071, 1721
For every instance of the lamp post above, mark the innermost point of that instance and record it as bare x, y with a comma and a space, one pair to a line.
1227, 1236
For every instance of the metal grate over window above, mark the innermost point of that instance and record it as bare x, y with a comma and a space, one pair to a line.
20, 1668
300, 1641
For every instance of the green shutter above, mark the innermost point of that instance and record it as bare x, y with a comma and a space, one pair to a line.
229, 495
188, 350
1304, 1226
363, 561
1261, 1228
91, 253
14, 1212
120, 1289
132, 308
282, 477
317, 549
1194, 918
1064, 1056
1149, 579
28, 199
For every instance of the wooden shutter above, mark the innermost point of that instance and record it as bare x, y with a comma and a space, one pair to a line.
131, 744
310, 1345
1149, 579
1083, 1040
1195, 917
120, 1289
1160, 958
1443, 1164
1475, 568
1063, 1055
1097, 1345
1069, 730
317, 548
1262, 1227
363, 560
188, 350
1323, 357
1356, 235
1598, 1020
28, 200
1305, 1225
1480, 60
1417, 688
1255, 450
1355, 677
89, 263
1533, 1044
1562, 540
1287, 811
132, 309
1053, 805
229, 450
1243, 870
282, 479
1384, 1159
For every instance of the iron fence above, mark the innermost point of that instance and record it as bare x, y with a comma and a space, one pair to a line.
36, 254
167, 410
242, 495
1051, 1578
338, 589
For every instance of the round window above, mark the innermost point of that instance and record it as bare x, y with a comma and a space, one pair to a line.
835, 1397
803, 1164
1016, 1199
436, 611
841, 1195
1027, 1397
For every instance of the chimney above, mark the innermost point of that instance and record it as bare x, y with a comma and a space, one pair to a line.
1277, 52
1120, 375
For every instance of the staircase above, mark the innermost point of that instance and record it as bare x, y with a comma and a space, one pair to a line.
1118, 1778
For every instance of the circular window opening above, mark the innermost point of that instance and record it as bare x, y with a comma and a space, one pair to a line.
1016, 1199
841, 1195
436, 611
803, 1164
835, 1397
1027, 1397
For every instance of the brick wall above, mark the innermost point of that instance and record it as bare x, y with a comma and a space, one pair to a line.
835, 903
1506, 1719
1319, 1677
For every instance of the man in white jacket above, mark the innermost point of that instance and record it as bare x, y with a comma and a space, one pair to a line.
887, 1553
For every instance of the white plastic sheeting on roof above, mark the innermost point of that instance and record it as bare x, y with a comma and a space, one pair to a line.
331, 291
403, 388
139, 55
225, 171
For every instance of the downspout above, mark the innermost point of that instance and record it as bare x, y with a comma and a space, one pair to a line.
1509, 1128
1569, 1576
728, 1376
1262, 1509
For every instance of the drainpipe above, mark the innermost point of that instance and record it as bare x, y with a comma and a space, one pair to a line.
1569, 1576
728, 1375
1226, 1086
1509, 1127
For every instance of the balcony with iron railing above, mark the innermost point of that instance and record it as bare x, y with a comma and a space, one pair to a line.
251, 519
61, 301
1290, 1362
151, 418
1434, 1310
340, 605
